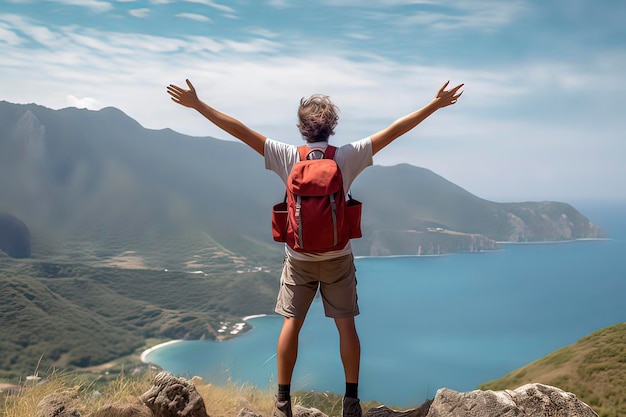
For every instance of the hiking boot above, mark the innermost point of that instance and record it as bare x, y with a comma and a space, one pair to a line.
351, 407
282, 409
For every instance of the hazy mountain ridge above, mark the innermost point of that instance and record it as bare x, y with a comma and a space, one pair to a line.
101, 177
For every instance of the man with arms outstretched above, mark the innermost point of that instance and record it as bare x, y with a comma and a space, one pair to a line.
333, 272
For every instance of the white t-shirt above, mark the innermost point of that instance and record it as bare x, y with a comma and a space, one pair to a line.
351, 159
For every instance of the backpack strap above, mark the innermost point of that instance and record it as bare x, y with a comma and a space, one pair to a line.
304, 151
329, 153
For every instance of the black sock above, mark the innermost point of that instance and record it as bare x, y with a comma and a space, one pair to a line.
352, 390
283, 392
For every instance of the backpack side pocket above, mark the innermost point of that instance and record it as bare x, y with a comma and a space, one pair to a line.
353, 214
279, 221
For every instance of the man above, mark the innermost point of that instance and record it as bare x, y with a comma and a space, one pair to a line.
333, 272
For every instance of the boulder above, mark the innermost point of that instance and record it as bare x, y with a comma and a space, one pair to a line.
14, 236
299, 411
531, 400
59, 404
172, 396
246, 412
384, 411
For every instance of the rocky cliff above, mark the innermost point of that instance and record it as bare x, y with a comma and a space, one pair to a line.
14, 236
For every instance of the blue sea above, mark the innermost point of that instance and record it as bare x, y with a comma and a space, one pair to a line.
451, 321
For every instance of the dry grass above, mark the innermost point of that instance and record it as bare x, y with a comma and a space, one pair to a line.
229, 399
92, 395
594, 368
88, 394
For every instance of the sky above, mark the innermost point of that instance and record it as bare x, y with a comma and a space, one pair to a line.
540, 117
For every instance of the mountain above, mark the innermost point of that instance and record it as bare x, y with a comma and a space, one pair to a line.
594, 368
96, 185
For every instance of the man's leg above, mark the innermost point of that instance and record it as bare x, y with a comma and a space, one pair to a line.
286, 355
287, 350
349, 348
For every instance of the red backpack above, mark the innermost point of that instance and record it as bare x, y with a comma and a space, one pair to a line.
315, 216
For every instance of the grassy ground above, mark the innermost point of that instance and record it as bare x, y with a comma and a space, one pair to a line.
93, 394
594, 368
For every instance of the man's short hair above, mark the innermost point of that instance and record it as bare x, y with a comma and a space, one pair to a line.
317, 118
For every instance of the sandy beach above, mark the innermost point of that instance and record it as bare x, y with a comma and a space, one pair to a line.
236, 328
147, 351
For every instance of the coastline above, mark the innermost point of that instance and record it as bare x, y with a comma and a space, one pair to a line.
254, 316
543, 242
503, 242
406, 256
145, 353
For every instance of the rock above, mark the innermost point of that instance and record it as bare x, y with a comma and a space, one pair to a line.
14, 236
59, 404
299, 411
531, 400
246, 412
384, 411
127, 410
172, 396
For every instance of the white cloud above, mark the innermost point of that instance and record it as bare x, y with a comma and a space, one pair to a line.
214, 5
264, 32
279, 4
484, 15
83, 103
379, 3
140, 13
359, 36
95, 5
253, 46
439, 15
201, 44
8, 36
14, 26
194, 16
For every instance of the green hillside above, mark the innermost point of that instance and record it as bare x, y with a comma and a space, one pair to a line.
73, 316
594, 368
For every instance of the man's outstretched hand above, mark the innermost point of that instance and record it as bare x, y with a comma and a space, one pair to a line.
447, 97
187, 98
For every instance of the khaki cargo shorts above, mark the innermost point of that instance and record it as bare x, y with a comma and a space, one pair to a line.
336, 279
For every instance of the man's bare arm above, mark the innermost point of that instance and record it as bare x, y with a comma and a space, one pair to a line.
189, 98
404, 124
